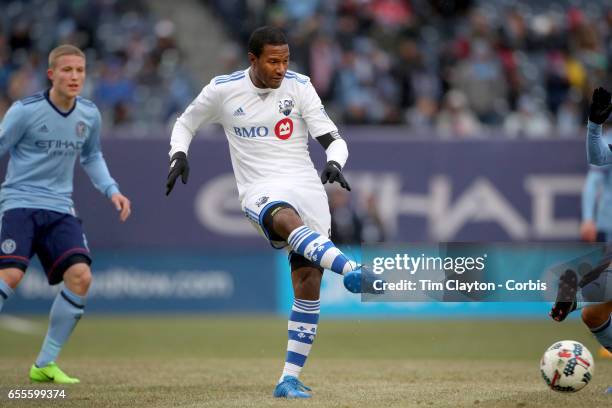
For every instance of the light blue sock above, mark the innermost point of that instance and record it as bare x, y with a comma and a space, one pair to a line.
5, 293
319, 250
603, 334
65, 313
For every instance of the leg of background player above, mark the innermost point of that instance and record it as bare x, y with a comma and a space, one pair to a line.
9, 279
597, 318
65, 313
311, 245
302, 327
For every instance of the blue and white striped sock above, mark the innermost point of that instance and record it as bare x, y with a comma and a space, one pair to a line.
302, 332
65, 313
319, 250
603, 334
5, 293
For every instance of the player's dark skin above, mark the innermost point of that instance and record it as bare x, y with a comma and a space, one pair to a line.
268, 71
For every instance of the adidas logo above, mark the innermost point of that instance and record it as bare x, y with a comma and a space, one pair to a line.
239, 112
43, 129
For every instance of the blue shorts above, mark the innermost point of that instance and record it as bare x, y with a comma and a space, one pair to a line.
56, 238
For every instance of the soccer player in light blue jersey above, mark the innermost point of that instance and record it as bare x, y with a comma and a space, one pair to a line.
598, 151
597, 193
596, 316
597, 202
43, 135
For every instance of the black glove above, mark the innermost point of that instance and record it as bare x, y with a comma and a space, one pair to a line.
600, 106
178, 167
333, 172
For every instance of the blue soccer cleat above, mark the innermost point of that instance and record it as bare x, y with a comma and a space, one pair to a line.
352, 281
361, 280
609, 391
291, 388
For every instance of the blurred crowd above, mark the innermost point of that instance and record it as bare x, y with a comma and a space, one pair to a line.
135, 74
455, 67
355, 218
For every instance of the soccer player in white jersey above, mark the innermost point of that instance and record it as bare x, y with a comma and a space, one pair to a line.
44, 134
267, 112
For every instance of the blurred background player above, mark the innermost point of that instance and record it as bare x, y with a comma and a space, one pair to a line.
597, 207
354, 224
597, 202
44, 134
597, 317
267, 112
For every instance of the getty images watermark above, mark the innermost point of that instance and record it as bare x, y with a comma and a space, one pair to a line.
457, 272
456, 264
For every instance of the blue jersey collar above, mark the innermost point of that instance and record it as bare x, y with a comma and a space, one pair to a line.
64, 114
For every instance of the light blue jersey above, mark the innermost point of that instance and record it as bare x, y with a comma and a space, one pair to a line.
597, 193
43, 143
598, 151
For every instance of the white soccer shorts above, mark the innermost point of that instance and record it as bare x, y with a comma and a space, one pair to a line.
310, 202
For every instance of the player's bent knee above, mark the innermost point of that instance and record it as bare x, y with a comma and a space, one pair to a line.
77, 276
592, 316
12, 275
280, 219
587, 315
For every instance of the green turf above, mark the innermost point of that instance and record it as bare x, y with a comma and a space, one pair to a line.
234, 362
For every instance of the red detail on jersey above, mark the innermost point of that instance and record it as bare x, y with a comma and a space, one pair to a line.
284, 129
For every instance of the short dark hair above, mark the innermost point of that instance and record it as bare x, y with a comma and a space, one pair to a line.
265, 35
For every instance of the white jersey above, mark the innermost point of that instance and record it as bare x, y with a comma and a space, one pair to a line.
267, 129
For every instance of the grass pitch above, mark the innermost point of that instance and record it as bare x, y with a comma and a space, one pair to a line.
235, 361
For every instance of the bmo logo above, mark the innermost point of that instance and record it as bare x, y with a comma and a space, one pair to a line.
284, 129
260, 131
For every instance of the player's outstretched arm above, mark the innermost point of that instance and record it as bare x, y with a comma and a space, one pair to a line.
319, 123
598, 152
97, 170
95, 166
204, 109
179, 166
336, 151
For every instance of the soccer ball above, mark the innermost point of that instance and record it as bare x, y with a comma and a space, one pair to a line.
567, 366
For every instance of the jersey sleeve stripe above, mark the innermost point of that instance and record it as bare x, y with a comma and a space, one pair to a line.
290, 75
232, 74
33, 98
231, 79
